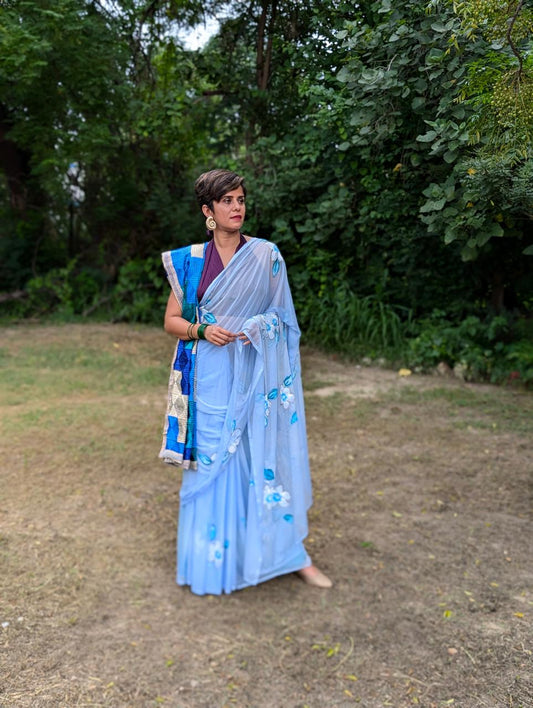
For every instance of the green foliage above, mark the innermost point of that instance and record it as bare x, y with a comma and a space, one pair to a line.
16, 246
341, 321
499, 87
477, 350
75, 292
348, 177
140, 294
483, 198
68, 291
386, 148
408, 77
103, 120
498, 22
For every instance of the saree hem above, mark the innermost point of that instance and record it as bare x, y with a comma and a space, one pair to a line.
277, 573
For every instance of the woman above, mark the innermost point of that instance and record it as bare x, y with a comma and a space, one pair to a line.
235, 420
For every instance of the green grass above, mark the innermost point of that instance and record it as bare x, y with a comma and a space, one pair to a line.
496, 409
62, 382
311, 386
328, 408
60, 390
50, 371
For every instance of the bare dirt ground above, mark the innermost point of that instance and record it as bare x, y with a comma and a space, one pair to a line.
422, 517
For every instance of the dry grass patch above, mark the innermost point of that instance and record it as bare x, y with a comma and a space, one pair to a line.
422, 516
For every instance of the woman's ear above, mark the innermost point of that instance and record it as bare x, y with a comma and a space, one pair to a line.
206, 211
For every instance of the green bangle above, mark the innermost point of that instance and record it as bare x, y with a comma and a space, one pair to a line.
201, 331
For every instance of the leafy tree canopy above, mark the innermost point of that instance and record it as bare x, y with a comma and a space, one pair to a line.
387, 144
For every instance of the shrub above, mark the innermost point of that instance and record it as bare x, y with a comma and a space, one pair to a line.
65, 291
140, 294
490, 350
356, 326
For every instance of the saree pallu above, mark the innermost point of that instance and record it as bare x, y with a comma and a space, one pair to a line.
243, 510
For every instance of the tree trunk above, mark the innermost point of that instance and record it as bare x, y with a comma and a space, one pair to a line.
15, 163
264, 47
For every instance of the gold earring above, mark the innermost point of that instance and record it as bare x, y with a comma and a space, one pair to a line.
210, 223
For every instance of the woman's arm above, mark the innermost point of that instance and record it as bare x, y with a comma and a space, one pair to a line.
182, 329
174, 323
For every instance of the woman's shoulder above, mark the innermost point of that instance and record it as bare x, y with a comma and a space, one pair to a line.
262, 244
195, 250
268, 254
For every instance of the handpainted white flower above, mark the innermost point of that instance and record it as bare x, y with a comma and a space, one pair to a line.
271, 326
270, 330
286, 397
268, 398
275, 496
215, 553
267, 404
234, 440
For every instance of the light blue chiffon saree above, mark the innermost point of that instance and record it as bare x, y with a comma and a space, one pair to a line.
243, 510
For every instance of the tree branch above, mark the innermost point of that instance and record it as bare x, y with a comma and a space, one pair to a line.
510, 38
259, 62
268, 58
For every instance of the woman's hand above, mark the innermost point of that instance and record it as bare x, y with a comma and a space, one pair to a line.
219, 336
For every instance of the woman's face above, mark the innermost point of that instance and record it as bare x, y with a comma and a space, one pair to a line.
229, 212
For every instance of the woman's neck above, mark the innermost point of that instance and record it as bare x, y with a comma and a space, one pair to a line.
226, 244
226, 240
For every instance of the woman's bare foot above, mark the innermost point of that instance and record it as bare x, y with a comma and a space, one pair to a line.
312, 576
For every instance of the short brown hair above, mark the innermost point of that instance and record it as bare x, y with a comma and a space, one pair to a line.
213, 185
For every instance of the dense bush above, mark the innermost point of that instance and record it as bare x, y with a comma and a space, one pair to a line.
497, 349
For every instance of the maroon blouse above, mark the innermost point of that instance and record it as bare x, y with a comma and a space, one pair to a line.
213, 265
